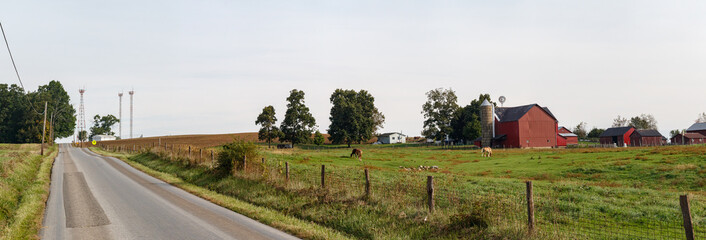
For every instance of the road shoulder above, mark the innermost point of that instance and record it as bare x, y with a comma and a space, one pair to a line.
294, 226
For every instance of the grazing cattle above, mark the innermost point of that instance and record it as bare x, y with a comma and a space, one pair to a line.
486, 152
358, 153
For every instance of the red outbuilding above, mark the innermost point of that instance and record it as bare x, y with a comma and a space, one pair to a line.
620, 136
697, 128
689, 138
566, 137
646, 137
528, 126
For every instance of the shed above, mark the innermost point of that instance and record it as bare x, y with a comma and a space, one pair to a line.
99, 138
697, 128
393, 137
620, 136
528, 126
689, 138
646, 137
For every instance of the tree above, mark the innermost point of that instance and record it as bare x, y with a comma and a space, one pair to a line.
674, 133
701, 118
60, 114
298, 122
16, 118
438, 112
465, 124
354, 117
644, 121
318, 138
102, 125
620, 122
267, 120
82, 136
595, 132
580, 130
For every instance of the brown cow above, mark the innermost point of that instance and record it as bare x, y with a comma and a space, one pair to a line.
358, 153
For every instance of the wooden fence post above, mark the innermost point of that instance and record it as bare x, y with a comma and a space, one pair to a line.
211, 158
367, 185
323, 176
189, 153
200, 155
286, 170
263, 161
530, 207
430, 192
245, 159
686, 215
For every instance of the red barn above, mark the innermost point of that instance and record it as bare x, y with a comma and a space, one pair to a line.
528, 126
689, 138
566, 137
646, 137
697, 128
620, 136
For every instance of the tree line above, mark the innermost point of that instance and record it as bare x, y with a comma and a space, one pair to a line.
354, 119
22, 113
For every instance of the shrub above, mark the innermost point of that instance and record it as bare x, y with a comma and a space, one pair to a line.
236, 151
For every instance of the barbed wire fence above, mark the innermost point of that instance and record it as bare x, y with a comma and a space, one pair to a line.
547, 210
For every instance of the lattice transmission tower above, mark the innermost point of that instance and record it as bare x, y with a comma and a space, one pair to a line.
81, 115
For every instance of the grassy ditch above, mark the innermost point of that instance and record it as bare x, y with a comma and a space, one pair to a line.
24, 189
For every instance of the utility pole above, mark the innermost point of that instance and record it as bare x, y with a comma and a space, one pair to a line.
44, 128
120, 115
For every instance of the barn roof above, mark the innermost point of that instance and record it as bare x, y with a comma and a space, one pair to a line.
697, 127
568, 135
510, 114
388, 134
616, 131
648, 133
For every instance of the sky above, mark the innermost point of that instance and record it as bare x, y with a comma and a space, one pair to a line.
203, 67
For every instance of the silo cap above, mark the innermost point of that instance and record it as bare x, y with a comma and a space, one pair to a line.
485, 103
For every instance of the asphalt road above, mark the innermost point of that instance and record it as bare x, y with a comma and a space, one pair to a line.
96, 197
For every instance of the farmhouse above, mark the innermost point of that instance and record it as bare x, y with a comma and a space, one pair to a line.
697, 128
689, 138
393, 137
646, 137
566, 137
99, 138
620, 136
528, 126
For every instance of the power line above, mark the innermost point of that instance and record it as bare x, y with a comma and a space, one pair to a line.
11, 58
17, 72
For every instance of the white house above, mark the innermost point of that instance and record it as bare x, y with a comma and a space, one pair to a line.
392, 137
99, 138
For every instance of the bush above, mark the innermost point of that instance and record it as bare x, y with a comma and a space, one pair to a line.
236, 152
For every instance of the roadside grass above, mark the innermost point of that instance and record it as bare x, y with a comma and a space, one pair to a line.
193, 179
24, 189
607, 192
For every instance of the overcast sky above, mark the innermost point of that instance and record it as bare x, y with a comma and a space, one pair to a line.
211, 66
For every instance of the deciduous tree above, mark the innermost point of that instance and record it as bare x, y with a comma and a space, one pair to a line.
269, 130
644, 121
298, 122
466, 121
620, 122
438, 112
102, 125
595, 132
354, 117
701, 118
580, 130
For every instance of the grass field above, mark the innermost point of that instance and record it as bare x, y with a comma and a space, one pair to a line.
24, 188
579, 193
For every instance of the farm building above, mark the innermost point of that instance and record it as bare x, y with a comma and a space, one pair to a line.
393, 137
697, 128
646, 137
620, 136
528, 126
99, 138
566, 137
689, 138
